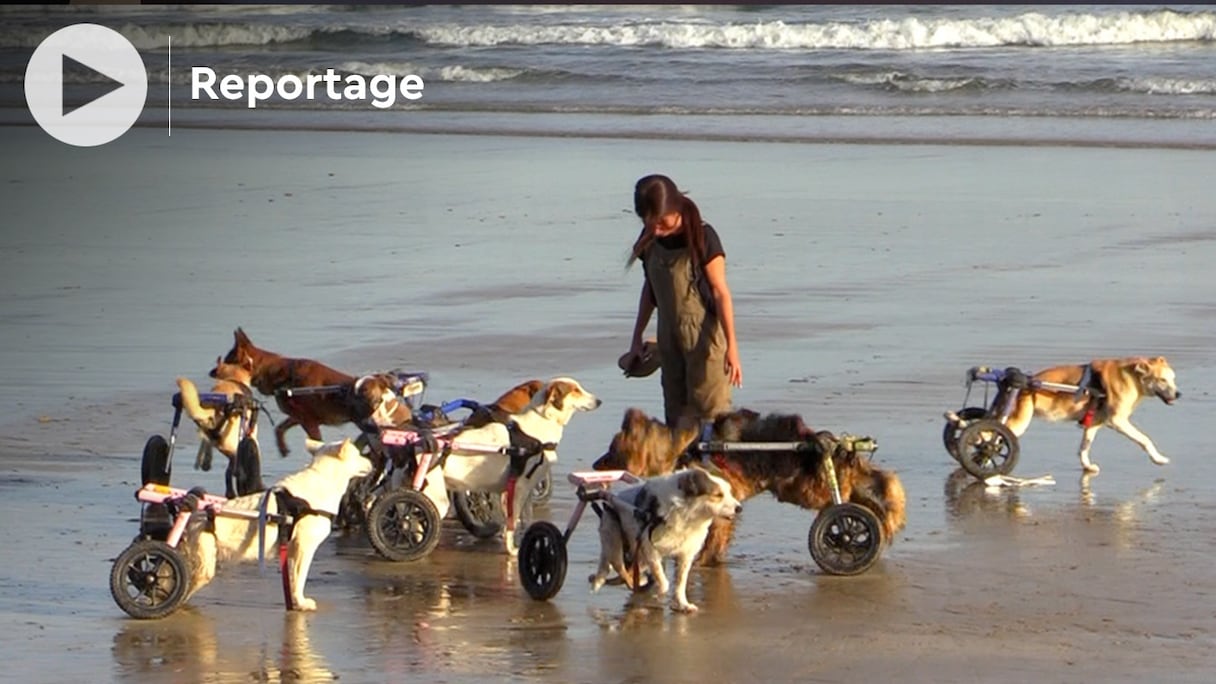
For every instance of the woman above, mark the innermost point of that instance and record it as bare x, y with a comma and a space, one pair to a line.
685, 281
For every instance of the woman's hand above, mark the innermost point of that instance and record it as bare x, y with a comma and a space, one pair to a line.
734, 369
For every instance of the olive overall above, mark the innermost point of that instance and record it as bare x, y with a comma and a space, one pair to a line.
692, 344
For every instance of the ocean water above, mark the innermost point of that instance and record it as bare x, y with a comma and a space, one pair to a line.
725, 71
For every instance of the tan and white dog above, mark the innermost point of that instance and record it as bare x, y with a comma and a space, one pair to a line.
474, 470
1116, 387
320, 487
219, 428
665, 516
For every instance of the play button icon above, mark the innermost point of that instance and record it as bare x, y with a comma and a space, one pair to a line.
105, 63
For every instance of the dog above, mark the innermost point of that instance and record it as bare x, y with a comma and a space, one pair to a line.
272, 372
1111, 389
385, 408
538, 426
666, 516
647, 447
375, 400
320, 486
220, 428
510, 402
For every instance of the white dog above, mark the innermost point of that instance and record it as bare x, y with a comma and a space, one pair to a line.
474, 470
316, 490
665, 516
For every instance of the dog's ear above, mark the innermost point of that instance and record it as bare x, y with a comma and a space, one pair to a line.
1142, 368
240, 338
633, 418
695, 482
556, 394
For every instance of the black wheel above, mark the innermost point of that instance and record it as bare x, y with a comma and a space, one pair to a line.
247, 468
952, 430
481, 513
845, 539
543, 489
154, 468
987, 447
403, 525
149, 580
542, 560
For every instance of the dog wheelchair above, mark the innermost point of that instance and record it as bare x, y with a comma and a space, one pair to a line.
243, 474
978, 437
542, 552
150, 579
845, 538
401, 522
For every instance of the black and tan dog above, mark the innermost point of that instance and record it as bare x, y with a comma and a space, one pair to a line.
647, 447
1114, 387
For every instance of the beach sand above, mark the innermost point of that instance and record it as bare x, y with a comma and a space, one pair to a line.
867, 279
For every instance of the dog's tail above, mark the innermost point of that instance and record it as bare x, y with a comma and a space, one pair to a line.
882, 492
193, 407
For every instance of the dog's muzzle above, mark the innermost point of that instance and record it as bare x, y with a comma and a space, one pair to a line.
1169, 397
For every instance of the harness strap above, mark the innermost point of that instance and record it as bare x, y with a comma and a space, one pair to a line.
290, 509
1090, 385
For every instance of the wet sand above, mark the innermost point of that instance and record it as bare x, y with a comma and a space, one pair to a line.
867, 279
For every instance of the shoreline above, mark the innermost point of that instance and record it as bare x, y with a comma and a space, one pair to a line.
962, 130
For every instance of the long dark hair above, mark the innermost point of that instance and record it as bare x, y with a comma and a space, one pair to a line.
656, 195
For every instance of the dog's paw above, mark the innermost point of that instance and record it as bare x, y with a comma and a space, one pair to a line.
305, 604
1091, 468
1159, 459
596, 582
688, 608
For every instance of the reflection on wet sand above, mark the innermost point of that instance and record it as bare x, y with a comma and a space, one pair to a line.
460, 611
709, 587
191, 647
971, 503
968, 499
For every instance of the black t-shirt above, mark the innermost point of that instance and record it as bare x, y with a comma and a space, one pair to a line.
713, 244
713, 249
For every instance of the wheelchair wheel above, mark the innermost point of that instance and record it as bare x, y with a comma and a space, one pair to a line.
542, 560
987, 447
845, 539
952, 430
481, 513
247, 468
154, 468
403, 525
149, 580
544, 488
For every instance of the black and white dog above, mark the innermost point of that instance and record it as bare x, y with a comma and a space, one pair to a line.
664, 516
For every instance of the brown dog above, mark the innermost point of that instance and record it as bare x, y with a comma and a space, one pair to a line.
1113, 389
646, 447
221, 427
501, 409
272, 372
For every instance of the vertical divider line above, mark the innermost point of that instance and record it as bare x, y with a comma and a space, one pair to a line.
168, 87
